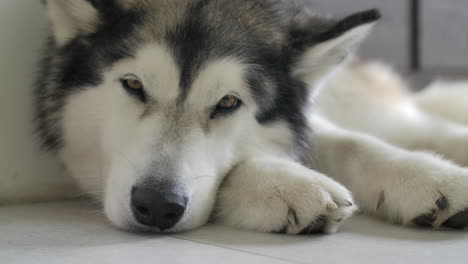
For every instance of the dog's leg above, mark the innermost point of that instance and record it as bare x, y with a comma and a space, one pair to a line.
373, 99
278, 195
428, 133
403, 186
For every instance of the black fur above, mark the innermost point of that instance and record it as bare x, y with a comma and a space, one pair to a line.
191, 42
301, 39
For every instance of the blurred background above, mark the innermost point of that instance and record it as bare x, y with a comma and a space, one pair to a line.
424, 39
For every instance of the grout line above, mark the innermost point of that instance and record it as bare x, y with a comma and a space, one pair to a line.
240, 250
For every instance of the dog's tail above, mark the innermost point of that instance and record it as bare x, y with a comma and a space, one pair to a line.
445, 99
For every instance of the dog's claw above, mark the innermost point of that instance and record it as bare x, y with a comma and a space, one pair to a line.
442, 203
332, 206
345, 203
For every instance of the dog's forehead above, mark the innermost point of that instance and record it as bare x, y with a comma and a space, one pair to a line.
163, 77
223, 21
198, 34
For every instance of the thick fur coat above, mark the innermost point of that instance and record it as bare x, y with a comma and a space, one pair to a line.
246, 111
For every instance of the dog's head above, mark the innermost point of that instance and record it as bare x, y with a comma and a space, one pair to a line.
175, 93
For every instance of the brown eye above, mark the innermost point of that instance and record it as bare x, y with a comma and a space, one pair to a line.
228, 102
134, 87
134, 84
227, 105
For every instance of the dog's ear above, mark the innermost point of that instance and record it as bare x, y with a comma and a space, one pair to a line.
318, 47
71, 18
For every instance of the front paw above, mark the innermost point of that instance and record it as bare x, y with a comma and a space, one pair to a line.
293, 205
447, 212
315, 207
427, 200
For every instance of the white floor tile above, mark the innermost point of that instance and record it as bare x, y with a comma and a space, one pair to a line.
73, 233
361, 240
76, 233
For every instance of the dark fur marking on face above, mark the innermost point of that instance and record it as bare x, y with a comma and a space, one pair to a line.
290, 100
79, 63
190, 42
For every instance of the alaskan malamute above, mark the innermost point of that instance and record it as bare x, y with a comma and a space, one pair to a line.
250, 112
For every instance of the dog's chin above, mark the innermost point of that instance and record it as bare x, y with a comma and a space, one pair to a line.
132, 226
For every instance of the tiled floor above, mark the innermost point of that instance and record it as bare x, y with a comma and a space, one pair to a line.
74, 232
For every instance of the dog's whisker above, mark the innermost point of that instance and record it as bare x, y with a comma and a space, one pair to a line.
129, 161
201, 177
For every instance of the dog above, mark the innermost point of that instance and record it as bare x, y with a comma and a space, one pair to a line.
253, 113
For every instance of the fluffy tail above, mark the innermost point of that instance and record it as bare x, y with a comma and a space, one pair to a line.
445, 99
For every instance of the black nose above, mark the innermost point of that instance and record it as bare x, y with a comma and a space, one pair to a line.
157, 209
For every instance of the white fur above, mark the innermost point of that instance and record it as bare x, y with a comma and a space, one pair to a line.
371, 98
409, 182
273, 194
445, 99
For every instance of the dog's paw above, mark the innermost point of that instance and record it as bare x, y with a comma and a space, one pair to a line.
431, 202
443, 215
315, 207
280, 204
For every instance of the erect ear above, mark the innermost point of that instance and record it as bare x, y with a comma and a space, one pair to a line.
317, 52
71, 18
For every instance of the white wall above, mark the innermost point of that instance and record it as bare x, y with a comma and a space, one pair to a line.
26, 174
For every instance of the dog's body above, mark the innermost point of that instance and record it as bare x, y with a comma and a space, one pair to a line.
171, 110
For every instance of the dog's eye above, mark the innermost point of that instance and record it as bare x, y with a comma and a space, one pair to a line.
227, 105
133, 84
134, 87
228, 102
